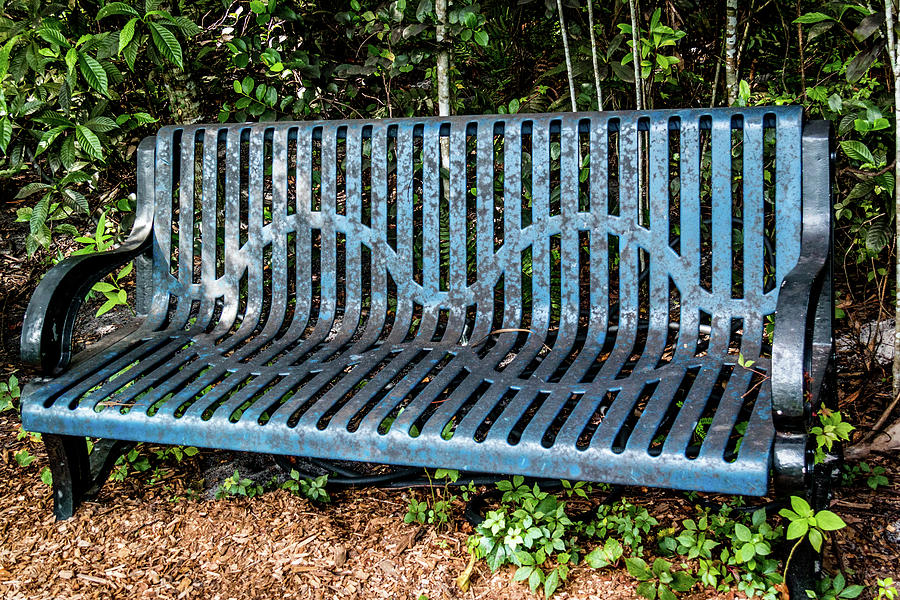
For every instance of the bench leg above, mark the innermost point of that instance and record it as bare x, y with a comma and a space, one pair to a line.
77, 475
70, 467
806, 564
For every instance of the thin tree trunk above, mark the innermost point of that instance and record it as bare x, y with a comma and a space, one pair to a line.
731, 74
443, 59
590, 5
894, 55
636, 55
565, 39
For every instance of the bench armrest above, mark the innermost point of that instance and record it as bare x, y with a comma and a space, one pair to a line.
803, 347
50, 318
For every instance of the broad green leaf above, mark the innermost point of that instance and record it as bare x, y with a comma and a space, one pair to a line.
481, 38
89, 141
53, 36
797, 529
101, 124
31, 189
117, 8
127, 34
813, 17
130, 53
4, 55
71, 59
857, 151
237, 87
107, 306
646, 589
666, 594
534, 580
125, 271
39, 214
815, 539
166, 43
522, 573
103, 286
67, 152
829, 521
93, 73
551, 583
48, 137
801, 506
638, 568
5, 133
742, 532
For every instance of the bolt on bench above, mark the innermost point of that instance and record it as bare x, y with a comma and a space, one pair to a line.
568, 298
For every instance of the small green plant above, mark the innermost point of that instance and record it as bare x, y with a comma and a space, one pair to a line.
311, 489
658, 581
887, 590
833, 429
9, 391
805, 523
134, 459
606, 555
24, 458
437, 511
235, 485
176, 452
530, 530
112, 287
693, 541
628, 521
834, 588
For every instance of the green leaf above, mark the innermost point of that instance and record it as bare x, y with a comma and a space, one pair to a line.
638, 568
551, 583
857, 150
852, 591
89, 141
801, 506
127, 34
742, 532
117, 8
101, 124
31, 189
53, 36
67, 152
522, 573
39, 214
103, 286
829, 521
481, 38
130, 54
813, 17
124, 272
168, 46
4, 55
534, 580
93, 73
646, 589
666, 594
5, 133
816, 539
797, 529
107, 306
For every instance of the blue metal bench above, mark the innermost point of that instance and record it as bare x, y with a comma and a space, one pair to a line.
568, 298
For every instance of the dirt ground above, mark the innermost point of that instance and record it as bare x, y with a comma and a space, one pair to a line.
156, 535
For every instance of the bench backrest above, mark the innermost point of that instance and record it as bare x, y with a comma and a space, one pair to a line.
539, 221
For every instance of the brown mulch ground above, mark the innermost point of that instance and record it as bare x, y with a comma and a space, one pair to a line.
153, 535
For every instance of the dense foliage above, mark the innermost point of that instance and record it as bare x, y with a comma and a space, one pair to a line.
82, 82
